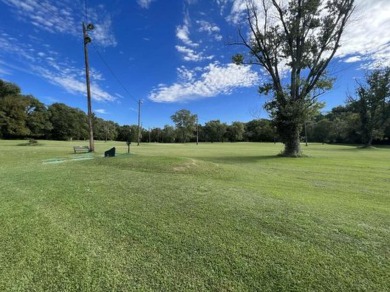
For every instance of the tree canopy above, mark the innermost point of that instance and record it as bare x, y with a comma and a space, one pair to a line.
373, 104
294, 43
185, 123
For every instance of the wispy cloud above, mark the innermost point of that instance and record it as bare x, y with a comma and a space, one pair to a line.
51, 66
144, 3
367, 37
3, 71
210, 28
205, 82
192, 55
63, 17
183, 32
101, 111
189, 48
102, 33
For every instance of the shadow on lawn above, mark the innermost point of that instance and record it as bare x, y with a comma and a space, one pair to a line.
240, 159
358, 147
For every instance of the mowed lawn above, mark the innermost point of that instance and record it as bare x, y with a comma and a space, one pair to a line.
207, 217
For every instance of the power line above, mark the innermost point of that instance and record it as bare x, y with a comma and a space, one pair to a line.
113, 74
54, 10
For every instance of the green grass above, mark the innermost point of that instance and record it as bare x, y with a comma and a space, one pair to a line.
216, 217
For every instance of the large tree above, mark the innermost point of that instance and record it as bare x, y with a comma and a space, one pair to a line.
185, 123
373, 104
293, 42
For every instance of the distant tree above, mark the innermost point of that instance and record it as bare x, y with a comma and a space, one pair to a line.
260, 130
215, 131
68, 123
12, 111
104, 130
168, 134
185, 123
344, 125
155, 135
201, 133
111, 130
297, 40
98, 128
373, 104
8, 88
127, 133
235, 132
38, 118
13, 116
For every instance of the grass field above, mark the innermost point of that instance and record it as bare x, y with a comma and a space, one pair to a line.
215, 217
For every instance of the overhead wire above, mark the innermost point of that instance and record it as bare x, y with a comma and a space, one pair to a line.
104, 61
113, 74
86, 20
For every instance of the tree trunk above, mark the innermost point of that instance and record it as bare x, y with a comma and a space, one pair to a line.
292, 146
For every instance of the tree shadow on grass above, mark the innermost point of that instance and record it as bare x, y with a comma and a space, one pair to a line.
240, 159
359, 147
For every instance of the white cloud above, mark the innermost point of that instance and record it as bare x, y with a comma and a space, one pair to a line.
144, 3
188, 48
73, 83
210, 28
353, 59
63, 17
183, 32
100, 111
3, 71
368, 34
214, 79
366, 38
51, 66
185, 75
192, 55
222, 4
102, 33
237, 11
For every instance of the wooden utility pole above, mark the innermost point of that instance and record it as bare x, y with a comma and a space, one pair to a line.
87, 40
139, 121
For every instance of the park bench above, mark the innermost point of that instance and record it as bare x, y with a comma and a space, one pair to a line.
80, 149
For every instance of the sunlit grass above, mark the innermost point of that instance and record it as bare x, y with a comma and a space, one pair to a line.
223, 217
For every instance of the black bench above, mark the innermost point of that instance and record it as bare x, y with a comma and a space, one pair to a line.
80, 149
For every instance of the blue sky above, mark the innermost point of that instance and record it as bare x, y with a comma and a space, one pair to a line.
172, 54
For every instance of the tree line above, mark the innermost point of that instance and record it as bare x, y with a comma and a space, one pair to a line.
365, 119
